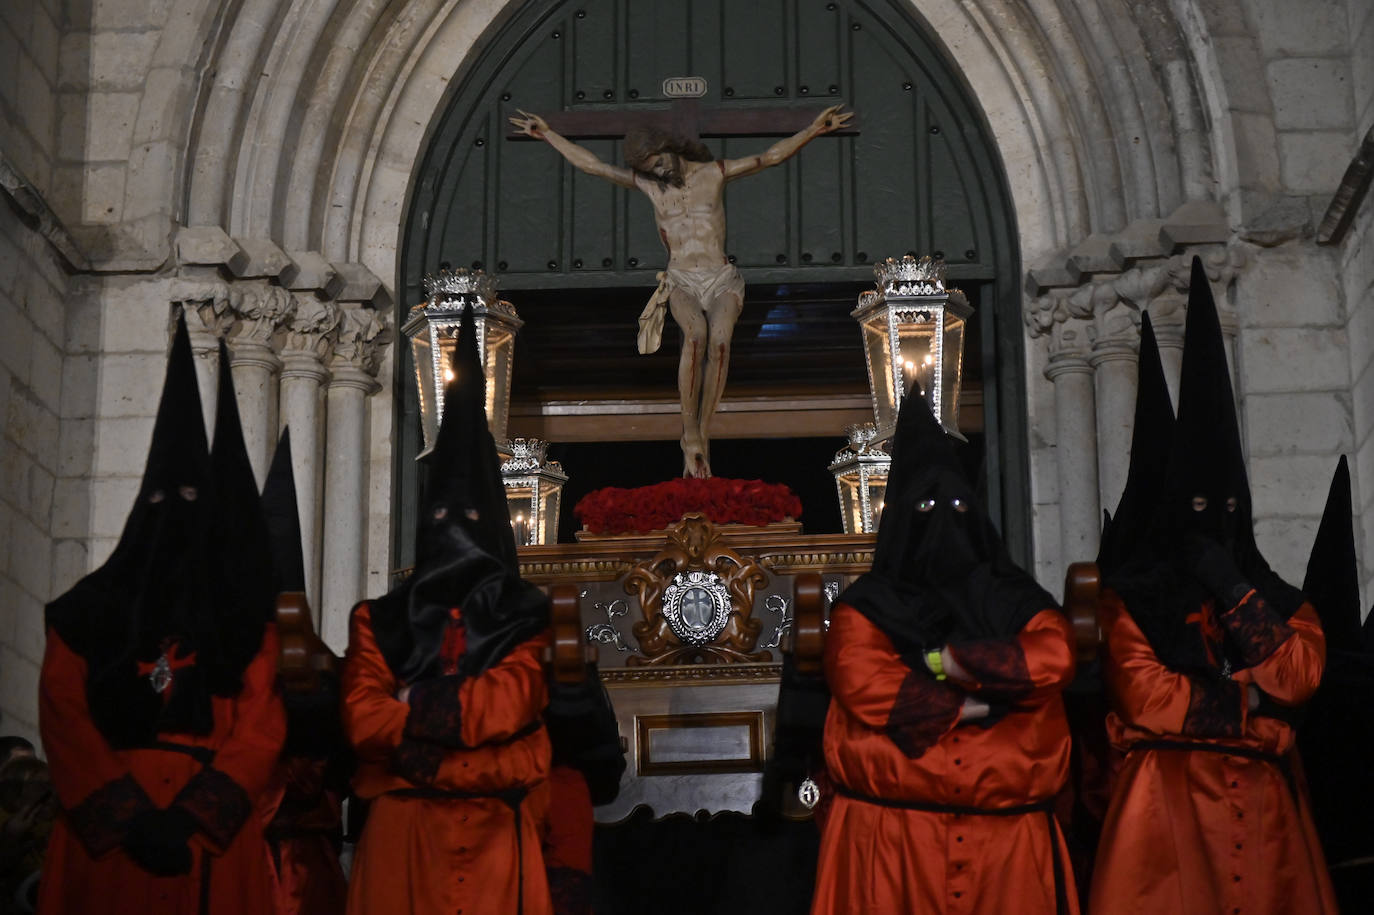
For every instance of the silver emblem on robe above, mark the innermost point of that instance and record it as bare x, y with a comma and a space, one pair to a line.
809, 793
161, 674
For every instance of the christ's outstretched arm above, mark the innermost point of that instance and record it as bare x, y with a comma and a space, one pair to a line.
828, 121
532, 125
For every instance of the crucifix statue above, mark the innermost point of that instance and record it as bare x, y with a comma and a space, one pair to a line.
685, 183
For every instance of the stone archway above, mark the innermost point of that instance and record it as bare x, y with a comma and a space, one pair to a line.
316, 153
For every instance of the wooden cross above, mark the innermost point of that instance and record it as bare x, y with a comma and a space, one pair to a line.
686, 118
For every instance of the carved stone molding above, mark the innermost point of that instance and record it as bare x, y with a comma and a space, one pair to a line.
310, 327
1163, 281
360, 336
259, 311
206, 306
682, 588
1198, 222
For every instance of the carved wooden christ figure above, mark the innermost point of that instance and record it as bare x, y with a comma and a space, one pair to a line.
701, 287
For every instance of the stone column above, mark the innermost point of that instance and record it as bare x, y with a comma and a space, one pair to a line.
1116, 343
309, 339
259, 310
353, 371
1080, 518
206, 307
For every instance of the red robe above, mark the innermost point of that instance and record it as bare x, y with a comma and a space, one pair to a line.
476, 734
1204, 833
568, 842
894, 733
304, 832
101, 789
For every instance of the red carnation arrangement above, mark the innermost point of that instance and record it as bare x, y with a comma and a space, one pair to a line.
614, 510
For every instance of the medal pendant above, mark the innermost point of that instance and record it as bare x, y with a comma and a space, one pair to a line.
809, 793
161, 675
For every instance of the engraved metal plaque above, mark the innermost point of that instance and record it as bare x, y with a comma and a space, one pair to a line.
696, 606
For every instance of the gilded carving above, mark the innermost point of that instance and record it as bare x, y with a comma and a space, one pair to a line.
696, 557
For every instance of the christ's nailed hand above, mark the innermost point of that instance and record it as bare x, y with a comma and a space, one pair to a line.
531, 125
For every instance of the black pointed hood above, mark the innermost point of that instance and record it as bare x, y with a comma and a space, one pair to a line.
465, 548
1206, 466
940, 570
1332, 583
246, 552
281, 513
161, 590
1336, 735
1151, 439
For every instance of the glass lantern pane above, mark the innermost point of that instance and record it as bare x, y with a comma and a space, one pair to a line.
919, 353
851, 513
424, 382
500, 352
952, 371
878, 353
877, 492
549, 498
520, 502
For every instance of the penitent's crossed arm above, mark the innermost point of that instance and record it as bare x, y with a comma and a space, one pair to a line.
532, 125
828, 121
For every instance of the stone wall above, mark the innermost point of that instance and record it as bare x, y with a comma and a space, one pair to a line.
1356, 260
33, 284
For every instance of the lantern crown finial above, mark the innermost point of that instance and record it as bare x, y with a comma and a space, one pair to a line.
911, 275
460, 282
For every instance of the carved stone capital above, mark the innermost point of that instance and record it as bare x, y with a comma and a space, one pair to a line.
1070, 347
359, 339
1158, 280
310, 327
259, 311
205, 303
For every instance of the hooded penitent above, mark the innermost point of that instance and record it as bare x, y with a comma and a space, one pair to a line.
160, 611
1151, 437
312, 702
1203, 501
940, 570
1336, 736
465, 548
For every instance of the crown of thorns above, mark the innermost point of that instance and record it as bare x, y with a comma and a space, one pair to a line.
643, 143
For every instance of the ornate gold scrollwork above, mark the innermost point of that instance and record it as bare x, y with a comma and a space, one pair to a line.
677, 587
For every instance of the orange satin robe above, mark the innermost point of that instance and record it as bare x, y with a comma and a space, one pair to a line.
81, 878
1201, 833
886, 860
447, 855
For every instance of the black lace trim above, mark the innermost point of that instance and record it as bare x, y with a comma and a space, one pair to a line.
436, 715
219, 804
924, 709
571, 890
102, 820
417, 761
1213, 708
999, 666
1255, 630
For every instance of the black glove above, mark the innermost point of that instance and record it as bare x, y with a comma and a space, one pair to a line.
1213, 565
158, 841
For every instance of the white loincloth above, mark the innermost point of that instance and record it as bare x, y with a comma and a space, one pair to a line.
705, 284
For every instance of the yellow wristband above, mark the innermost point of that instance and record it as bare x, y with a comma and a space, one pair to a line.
937, 667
